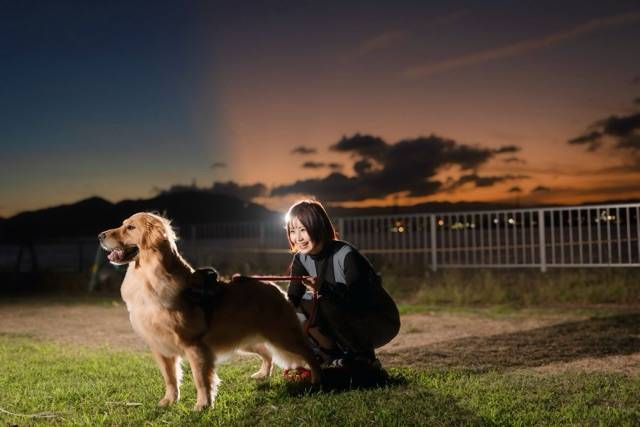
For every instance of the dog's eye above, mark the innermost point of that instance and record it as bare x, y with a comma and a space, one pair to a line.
131, 227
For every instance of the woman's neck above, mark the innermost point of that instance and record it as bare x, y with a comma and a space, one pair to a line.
322, 251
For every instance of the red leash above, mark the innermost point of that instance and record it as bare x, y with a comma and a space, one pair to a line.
314, 309
278, 278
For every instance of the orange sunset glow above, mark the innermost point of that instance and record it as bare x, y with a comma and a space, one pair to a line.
467, 102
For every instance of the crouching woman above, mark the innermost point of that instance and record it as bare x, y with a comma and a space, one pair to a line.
346, 312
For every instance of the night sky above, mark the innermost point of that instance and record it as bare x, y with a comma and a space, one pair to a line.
357, 103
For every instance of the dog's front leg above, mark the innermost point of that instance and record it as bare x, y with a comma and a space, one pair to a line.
204, 376
172, 374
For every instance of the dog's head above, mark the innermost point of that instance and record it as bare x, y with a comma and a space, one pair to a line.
140, 232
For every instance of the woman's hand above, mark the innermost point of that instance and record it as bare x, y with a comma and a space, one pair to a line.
309, 283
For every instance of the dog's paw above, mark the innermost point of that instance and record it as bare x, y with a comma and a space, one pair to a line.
260, 375
167, 400
201, 405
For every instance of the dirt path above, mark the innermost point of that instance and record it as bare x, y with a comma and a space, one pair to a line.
542, 343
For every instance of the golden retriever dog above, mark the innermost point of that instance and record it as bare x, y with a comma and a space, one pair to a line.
245, 314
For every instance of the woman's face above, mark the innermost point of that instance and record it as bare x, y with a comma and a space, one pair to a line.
299, 236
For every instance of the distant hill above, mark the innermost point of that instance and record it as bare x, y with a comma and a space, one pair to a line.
90, 216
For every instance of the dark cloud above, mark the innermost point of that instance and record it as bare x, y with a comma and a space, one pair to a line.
507, 149
631, 142
515, 189
408, 166
482, 181
303, 150
618, 133
636, 101
621, 126
514, 160
244, 192
616, 128
424, 188
468, 157
229, 188
488, 181
361, 167
541, 189
593, 140
313, 165
364, 145
217, 165
320, 165
334, 187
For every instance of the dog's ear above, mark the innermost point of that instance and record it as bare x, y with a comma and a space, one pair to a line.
153, 233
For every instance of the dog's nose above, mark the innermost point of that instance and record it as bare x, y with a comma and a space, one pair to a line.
101, 236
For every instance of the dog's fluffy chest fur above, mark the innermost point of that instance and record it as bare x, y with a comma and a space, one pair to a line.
156, 324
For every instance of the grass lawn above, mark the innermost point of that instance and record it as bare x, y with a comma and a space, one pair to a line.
106, 387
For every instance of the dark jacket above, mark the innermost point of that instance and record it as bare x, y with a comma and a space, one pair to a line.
356, 311
361, 282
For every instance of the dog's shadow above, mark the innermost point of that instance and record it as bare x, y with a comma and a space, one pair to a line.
337, 380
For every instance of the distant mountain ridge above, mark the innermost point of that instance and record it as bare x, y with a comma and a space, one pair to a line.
90, 216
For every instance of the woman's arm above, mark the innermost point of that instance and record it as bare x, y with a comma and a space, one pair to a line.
296, 287
357, 273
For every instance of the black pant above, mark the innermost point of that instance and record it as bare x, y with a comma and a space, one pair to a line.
357, 329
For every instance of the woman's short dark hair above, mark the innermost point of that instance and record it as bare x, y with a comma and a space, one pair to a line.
312, 215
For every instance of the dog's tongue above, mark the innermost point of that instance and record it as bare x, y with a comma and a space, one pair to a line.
115, 255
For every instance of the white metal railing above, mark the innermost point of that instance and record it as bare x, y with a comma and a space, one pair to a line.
578, 236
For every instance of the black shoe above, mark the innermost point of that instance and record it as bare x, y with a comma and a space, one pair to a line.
365, 363
352, 362
337, 363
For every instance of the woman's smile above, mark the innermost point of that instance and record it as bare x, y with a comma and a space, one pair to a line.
299, 236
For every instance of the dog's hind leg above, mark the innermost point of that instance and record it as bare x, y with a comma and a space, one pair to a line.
204, 377
292, 340
172, 374
264, 353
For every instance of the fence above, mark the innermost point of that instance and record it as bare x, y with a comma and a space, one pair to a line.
61, 255
579, 236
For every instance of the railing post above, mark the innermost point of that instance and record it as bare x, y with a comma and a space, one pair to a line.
262, 235
543, 243
95, 267
80, 257
434, 258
